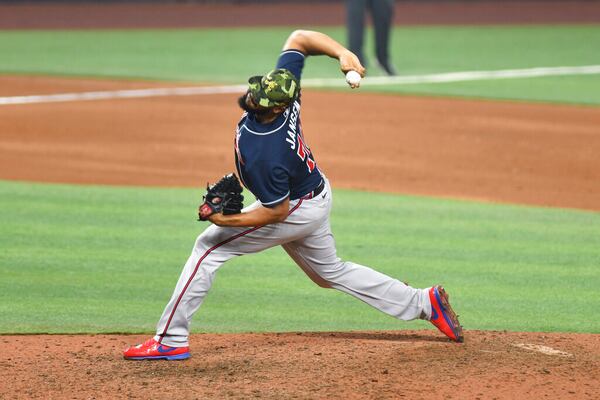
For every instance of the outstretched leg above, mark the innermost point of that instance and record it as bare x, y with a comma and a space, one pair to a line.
316, 255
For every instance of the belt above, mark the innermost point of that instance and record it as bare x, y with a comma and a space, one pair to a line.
315, 192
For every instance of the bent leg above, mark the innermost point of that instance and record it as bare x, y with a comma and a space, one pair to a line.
212, 248
316, 255
215, 246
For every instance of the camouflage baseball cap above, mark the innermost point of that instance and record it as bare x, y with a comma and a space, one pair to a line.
277, 88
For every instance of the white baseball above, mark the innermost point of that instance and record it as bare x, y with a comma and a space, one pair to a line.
353, 78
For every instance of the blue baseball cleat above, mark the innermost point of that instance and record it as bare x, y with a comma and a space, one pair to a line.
153, 350
442, 315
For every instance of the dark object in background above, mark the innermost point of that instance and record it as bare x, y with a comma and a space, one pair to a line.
382, 13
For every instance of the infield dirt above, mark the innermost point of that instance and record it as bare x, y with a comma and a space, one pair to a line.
495, 151
499, 151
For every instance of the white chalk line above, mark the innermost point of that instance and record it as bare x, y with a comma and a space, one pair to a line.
465, 76
122, 94
314, 83
543, 349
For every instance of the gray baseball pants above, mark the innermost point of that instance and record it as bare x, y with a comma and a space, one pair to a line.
306, 236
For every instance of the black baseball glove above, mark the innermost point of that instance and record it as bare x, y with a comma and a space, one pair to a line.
224, 197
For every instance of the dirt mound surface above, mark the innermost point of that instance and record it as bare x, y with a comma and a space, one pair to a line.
350, 365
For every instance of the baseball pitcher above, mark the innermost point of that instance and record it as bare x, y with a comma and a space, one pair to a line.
294, 200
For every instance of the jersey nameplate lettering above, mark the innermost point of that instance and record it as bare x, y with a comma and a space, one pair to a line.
294, 134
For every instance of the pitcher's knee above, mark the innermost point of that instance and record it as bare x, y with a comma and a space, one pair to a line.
317, 278
322, 283
332, 272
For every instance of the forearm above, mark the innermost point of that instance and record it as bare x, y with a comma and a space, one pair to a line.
317, 43
256, 217
314, 43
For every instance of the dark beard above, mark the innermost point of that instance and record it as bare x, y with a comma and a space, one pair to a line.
256, 111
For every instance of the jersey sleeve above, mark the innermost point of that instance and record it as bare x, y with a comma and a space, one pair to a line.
271, 183
292, 60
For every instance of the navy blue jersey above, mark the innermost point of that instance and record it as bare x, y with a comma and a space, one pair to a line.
273, 160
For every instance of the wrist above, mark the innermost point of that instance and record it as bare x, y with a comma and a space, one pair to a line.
340, 53
217, 219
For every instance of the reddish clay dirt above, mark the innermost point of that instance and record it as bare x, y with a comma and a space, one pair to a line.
350, 365
497, 151
197, 15
508, 152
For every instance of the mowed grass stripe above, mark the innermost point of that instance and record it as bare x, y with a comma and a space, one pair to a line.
231, 55
367, 82
106, 259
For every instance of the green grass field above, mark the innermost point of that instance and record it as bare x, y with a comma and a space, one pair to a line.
106, 259
231, 55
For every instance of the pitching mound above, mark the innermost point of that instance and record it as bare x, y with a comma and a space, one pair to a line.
378, 365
